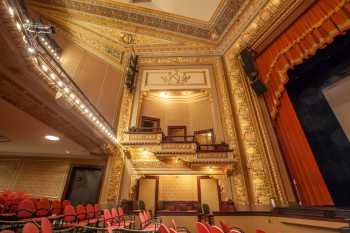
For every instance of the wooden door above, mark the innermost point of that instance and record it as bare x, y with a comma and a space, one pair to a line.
148, 191
209, 193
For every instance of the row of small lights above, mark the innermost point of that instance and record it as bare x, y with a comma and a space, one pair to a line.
50, 48
66, 90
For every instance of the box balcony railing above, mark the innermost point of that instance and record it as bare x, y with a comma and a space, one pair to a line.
222, 147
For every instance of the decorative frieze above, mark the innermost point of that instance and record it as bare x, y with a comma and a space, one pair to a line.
141, 138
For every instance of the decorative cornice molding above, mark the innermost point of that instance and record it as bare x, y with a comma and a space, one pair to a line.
153, 18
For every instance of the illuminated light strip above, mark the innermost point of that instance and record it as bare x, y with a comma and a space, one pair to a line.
50, 49
61, 86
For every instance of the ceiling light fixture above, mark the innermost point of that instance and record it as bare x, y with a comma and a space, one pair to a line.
11, 12
19, 28
31, 50
52, 76
44, 68
164, 95
52, 138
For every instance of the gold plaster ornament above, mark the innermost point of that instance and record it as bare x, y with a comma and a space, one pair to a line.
114, 173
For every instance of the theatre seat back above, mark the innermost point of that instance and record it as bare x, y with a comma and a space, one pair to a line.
163, 229
114, 213
120, 211
224, 227
216, 229
69, 214
90, 211
26, 208
202, 228
42, 207
30, 228
97, 208
56, 207
173, 223
107, 217
46, 226
81, 212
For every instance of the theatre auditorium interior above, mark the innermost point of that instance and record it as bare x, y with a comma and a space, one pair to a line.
174, 116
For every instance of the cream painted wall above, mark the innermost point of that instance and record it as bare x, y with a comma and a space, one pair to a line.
39, 177
181, 187
178, 188
100, 81
195, 115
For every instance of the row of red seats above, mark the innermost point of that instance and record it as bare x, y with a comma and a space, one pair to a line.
206, 228
174, 229
9, 200
116, 219
147, 223
30, 227
81, 216
30, 208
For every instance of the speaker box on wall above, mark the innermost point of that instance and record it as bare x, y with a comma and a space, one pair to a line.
258, 87
248, 63
247, 56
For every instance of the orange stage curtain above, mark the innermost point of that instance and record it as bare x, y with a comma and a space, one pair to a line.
311, 187
316, 28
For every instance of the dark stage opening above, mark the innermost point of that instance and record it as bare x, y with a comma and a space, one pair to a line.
320, 91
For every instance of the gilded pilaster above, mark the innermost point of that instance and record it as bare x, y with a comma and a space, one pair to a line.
260, 184
114, 174
240, 192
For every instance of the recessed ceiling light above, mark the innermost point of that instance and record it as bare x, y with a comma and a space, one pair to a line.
52, 138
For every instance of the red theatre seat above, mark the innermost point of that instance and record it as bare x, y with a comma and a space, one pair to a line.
109, 221
202, 228
216, 229
56, 207
163, 229
69, 216
81, 215
42, 207
30, 228
90, 214
46, 226
26, 209
224, 227
123, 219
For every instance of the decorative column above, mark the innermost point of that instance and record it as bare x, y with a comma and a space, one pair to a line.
114, 173
239, 180
257, 167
